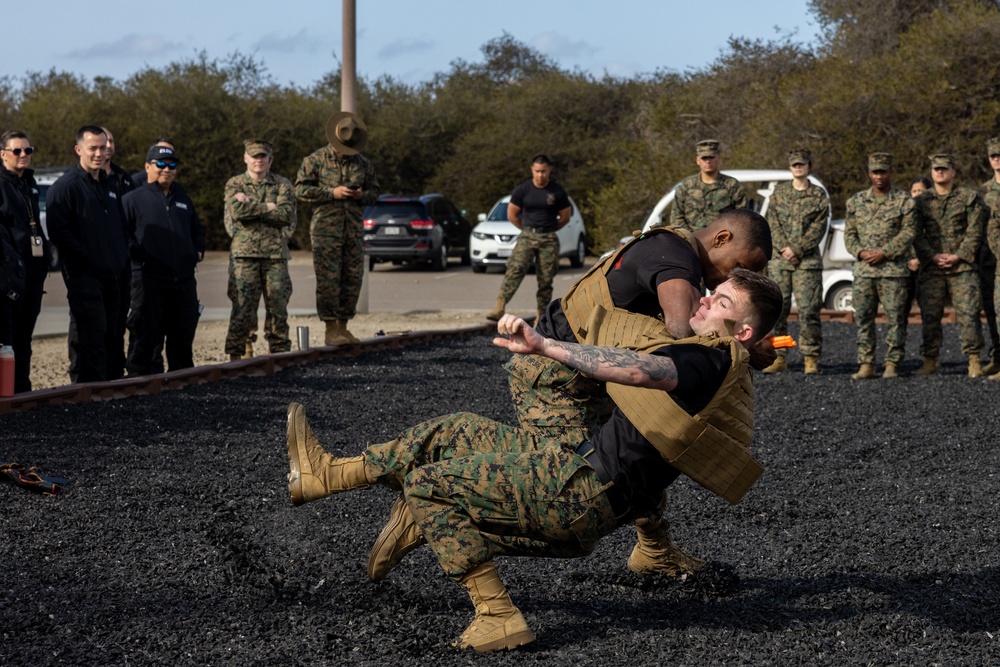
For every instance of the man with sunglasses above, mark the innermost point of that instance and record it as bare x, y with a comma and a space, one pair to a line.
166, 241
700, 198
951, 230
85, 223
19, 212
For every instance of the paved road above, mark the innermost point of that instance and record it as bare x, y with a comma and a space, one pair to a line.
391, 289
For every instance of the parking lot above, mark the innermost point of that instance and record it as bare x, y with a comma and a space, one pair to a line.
391, 289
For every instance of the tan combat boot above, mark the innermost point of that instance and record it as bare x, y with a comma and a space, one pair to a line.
891, 370
335, 334
351, 338
498, 623
811, 365
975, 367
235, 357
778, 366
249, 349
498, 311
992, 367
332, 333
314, 473
930, 367
655, 553
865, 372
399, 537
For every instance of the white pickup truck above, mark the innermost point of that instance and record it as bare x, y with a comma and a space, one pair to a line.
838, 264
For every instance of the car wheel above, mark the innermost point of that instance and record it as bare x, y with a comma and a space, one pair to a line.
840, 297
478, 267
440, 261
576, 261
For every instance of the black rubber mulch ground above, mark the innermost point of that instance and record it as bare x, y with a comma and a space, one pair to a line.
871, 539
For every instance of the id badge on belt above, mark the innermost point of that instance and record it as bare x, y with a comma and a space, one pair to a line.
37, 250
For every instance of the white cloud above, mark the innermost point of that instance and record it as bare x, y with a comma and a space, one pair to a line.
558, 46
302, 41
129, 46
405, 48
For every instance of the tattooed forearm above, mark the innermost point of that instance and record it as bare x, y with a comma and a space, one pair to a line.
611, 364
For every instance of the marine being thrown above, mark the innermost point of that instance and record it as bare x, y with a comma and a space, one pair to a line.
473, 488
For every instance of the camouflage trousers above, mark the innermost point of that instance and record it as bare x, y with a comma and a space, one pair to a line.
544, 248
556, 401
478, 488
249, 279
339, 263
987, 278
963, 288
807, 286
868, 293
559, 403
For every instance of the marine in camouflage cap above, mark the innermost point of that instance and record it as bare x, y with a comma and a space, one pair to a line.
879, 227
260, 216
951, 231
797, 215
700, 198
989, 192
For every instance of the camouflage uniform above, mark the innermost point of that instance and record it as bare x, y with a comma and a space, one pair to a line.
697, 204
544, 248
798, 221
258, 258
989, 192
496, 475
888, 223
336, 231
952, 224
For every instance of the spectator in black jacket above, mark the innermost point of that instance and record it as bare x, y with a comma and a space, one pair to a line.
166, 241
85, 223
19, 213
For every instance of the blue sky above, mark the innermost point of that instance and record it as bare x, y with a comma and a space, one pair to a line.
410, 40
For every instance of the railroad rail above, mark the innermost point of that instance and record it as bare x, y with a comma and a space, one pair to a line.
263, 365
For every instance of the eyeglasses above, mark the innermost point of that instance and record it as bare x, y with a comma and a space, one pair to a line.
165, 165
17, 151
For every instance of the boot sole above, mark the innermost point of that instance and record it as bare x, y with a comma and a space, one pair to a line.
294, 463
395, 520
507, 643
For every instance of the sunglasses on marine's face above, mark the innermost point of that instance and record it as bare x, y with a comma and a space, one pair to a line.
165, 165
17, 151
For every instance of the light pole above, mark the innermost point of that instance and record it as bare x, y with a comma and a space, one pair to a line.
348, 102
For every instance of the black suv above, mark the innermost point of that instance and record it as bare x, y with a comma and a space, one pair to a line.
425, 228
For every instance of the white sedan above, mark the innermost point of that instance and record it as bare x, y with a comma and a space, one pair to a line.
494, 237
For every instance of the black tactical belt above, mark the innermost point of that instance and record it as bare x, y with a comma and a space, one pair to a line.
619, 504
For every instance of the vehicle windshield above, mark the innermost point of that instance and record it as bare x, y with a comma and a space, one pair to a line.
395, 210
499, 212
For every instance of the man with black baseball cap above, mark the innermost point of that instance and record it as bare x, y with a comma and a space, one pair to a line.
166, 241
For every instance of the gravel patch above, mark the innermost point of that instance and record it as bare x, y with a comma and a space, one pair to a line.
871, 539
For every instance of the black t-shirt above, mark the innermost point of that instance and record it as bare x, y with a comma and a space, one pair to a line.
634, 464
646, 264
540, 206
